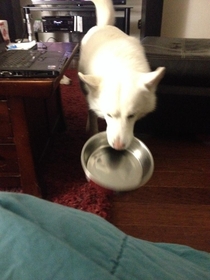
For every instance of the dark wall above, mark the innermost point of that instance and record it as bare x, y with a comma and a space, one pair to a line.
10, 10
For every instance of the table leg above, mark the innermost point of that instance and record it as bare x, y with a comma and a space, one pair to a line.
127, 20
29, 179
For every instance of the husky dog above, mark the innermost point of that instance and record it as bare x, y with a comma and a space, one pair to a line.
116, 77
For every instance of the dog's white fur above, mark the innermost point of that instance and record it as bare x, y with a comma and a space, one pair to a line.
116, 77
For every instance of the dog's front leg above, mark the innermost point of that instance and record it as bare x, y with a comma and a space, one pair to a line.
92, 123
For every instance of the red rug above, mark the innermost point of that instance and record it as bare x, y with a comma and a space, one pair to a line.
64, 177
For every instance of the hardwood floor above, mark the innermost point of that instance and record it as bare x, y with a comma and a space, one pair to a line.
174, 206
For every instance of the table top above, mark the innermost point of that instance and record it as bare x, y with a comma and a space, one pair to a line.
74, 8
36, 87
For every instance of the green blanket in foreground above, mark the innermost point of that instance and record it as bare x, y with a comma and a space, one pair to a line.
42, 240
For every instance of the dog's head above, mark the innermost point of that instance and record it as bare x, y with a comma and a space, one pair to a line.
121, 101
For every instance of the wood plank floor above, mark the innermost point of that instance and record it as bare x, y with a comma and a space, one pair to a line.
174, 206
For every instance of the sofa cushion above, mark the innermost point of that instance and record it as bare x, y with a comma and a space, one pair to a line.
187, 61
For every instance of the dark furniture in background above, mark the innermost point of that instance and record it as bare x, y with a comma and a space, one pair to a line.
87, 12
151, 17
10, 10
183, 105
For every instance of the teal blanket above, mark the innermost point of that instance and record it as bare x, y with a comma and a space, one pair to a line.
40, 240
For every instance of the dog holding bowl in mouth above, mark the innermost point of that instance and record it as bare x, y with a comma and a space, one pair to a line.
115, 77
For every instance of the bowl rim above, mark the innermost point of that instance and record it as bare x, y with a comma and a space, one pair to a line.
91, 177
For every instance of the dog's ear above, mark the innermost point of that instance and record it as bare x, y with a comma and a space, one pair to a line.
90, 80
153, 78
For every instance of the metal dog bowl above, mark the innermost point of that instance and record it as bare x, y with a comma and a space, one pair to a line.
116, 170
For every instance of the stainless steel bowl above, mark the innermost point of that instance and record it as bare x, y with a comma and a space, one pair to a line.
116, 170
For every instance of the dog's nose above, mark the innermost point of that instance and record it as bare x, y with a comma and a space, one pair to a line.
118, 145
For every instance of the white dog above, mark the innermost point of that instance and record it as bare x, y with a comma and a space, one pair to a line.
116, 77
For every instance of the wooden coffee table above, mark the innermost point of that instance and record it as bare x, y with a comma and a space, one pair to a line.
30, 112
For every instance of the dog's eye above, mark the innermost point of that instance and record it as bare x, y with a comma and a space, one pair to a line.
108, 115
130, 116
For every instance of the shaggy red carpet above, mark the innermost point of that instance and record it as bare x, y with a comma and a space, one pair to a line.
65, 180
